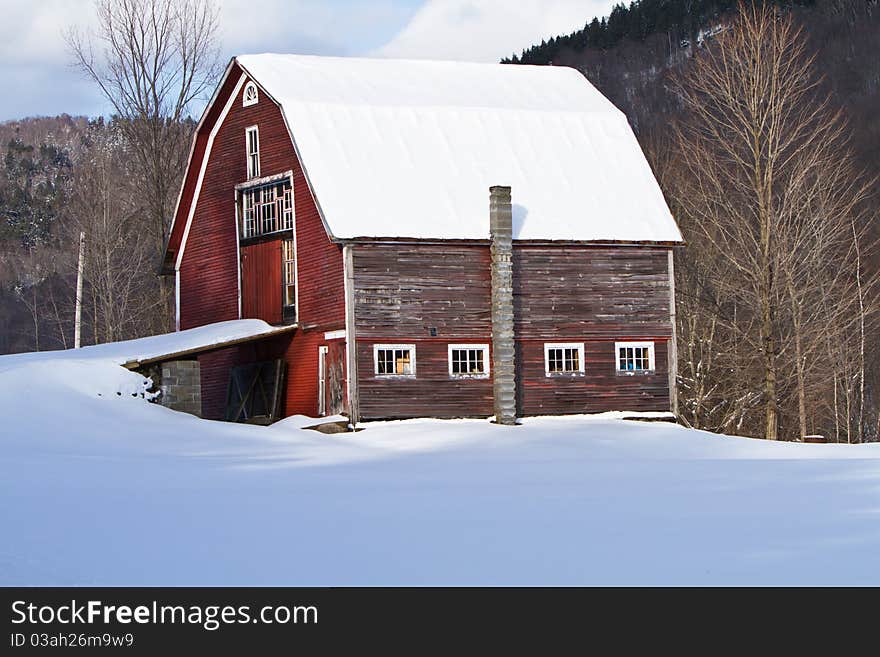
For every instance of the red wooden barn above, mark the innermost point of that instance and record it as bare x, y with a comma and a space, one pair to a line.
445, 240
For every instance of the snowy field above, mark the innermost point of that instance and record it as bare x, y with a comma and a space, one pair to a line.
106, 489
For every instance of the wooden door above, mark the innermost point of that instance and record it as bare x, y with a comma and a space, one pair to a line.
322, 381
331, 379
261, 281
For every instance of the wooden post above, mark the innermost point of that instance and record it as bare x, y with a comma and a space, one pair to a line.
503, 346
350, 336
77, 322
672, 347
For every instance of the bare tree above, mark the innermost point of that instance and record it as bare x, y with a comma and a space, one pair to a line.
152, 59
117, 275
771, 205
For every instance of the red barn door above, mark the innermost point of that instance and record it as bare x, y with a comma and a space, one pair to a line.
261, 289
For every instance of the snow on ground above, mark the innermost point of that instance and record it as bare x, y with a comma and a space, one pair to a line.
106, 489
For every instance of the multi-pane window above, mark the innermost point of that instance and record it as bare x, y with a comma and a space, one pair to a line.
563, 358
288, 274
266, 209
252, 141
249, 97
469, 360
395, 359
634, 356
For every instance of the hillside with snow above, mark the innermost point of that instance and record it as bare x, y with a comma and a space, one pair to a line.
100, 488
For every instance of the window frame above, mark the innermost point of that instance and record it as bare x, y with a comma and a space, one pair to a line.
459, 375
286, 314
393, 347
652, 364
579, 346
247, 191
252, 172
245, 102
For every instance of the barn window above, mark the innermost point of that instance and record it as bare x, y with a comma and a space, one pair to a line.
266, 208
469, 360
288, 279
563, 358
249, 97
395, 359
634, 356
252, 142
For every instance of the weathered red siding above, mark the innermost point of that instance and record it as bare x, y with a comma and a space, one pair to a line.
586, 294
595, 295
209, 269
600, 388
431, 393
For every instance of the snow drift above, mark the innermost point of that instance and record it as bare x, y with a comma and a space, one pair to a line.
107, 489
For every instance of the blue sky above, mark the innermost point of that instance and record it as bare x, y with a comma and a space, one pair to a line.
37, 78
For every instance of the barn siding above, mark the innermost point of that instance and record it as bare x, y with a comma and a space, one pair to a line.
594, 292
600, 388
431, 393
589, 294
209, 269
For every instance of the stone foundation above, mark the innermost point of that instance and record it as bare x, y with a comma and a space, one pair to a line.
182, 386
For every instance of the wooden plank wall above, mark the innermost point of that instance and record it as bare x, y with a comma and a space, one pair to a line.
594, 295
401, 292
589, 294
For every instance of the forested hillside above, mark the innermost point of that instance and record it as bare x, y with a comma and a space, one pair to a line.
61, 176
630, 54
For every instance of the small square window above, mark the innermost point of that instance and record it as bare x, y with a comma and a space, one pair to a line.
469, 360
563, 358
394, 359
633, 357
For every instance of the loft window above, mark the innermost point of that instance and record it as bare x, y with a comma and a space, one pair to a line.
288, 279
634, 357
249, 97
469, 360
266, 209
395, 359
252, 142
563, 358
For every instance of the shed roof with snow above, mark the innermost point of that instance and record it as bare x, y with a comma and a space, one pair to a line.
408, 149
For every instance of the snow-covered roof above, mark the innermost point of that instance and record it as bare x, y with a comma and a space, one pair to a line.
165, 346
397, 148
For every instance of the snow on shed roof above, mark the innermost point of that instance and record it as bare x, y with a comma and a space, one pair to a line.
164, 346
399, 148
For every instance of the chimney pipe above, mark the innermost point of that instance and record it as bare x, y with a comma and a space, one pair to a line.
503, 348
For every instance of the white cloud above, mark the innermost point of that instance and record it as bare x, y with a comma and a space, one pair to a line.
487, 30
340, 27
36, 76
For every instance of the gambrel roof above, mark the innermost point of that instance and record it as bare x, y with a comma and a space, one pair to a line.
409, 149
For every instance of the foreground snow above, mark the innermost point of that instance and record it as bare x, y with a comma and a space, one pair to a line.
105, 488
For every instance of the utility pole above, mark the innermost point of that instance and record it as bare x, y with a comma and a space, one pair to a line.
77, 326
